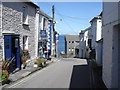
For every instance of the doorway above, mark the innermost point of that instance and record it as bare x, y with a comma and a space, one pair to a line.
12, 51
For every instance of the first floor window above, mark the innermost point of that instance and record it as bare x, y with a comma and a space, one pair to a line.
25, 15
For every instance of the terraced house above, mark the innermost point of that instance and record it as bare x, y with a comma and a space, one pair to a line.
18, 31
44, 35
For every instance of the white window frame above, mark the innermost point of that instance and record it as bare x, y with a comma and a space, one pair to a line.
25, 42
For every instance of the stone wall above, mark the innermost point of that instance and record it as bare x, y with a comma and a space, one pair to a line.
12, 22
1, 38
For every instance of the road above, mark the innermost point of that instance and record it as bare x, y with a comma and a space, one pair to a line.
65, 73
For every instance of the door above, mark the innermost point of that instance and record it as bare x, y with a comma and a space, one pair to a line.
16, 50
12, 49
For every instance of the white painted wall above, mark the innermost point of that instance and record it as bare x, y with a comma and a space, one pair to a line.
110, 12
99, 30
83, 46
110, 44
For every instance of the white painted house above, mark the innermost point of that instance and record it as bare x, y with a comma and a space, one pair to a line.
111, 44
44, 36
84, 49
96, 24
96, 35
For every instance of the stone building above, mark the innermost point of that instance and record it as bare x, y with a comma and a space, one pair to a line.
111, 44
72, 45
19, 30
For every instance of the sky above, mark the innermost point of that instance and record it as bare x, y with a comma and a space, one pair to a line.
72, 17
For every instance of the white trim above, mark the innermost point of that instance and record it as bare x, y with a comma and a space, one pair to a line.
37, 34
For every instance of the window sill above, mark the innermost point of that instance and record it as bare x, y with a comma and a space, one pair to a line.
26, 24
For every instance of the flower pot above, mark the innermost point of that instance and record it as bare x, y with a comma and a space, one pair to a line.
35, 65
23, 66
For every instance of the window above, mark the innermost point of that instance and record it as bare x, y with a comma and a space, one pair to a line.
16, 43
69, 41
43, 34
69, 49
72, 49
72, 41
25, 43
90, 43
25, 15
77, 41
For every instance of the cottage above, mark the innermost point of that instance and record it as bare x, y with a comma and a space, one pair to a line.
45, 33
96, 24
84, 44
18, 31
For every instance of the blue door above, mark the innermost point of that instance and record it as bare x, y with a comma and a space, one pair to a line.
12, 49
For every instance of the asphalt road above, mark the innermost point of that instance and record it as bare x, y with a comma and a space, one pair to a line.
65, 73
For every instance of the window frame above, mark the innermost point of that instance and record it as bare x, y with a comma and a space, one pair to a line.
25, 19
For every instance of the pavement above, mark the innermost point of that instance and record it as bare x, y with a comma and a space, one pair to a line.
14, 77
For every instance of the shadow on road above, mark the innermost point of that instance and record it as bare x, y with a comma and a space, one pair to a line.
80, 77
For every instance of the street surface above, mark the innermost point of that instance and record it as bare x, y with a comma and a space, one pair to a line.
64, 73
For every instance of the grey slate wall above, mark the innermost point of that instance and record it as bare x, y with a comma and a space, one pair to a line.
12, 21
1, 43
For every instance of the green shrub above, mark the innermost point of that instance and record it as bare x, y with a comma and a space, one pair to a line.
4, 75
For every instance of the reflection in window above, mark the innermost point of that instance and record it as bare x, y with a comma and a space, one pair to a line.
16, 43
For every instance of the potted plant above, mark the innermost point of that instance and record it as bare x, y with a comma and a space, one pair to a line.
23, 60
40, 62
4, 76
35, 64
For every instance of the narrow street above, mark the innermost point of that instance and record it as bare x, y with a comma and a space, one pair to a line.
65, 73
